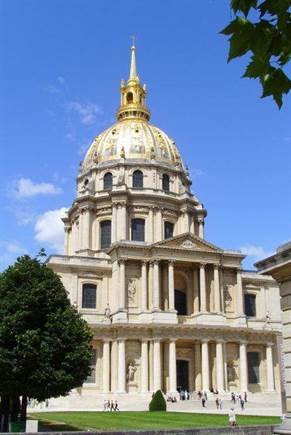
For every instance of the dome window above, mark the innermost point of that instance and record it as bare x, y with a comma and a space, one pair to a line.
105, 234
137, 179
137, 230
129, 97
166, 182
168, 230
107, 181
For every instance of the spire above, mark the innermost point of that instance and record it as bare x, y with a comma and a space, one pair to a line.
132, 104
133, 73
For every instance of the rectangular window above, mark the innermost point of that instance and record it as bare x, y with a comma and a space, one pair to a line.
250, 305
89, 296
169, 230
91, 379
105, 234
137, 230
253, 367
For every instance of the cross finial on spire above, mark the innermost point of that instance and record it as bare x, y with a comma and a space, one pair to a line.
133, 38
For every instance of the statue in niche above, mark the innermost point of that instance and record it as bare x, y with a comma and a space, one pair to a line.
227, 293
107, 312
131, 290
231, 372
131, 369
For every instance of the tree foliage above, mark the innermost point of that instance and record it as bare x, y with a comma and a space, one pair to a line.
158, 402
263, 29
44, 344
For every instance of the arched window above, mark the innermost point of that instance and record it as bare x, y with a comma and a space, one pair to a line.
89, 296
105, 234
129, 97
166, 182
107, 181
137, 179
137, 230
168, 230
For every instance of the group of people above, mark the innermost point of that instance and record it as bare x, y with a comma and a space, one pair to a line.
110, 405
239, 398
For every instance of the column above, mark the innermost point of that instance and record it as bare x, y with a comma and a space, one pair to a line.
158, 225
165, 287
219, 366
157, 364
121, 366
202, 288
114, 366
150, 285
144, 290
270, 367
195, 282
171, 285
122, 222
192, 224
243, 366
201, 228
114, 223
156, 286
106, 366
172, 367
86, 236
197, 366
144, 366
150, 227
122, 284
217, 305
67, 231
239, 294
205, 365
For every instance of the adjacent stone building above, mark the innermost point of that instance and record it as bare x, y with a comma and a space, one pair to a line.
168, 309
279, 267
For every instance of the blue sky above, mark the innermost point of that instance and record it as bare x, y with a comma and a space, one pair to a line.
61, 65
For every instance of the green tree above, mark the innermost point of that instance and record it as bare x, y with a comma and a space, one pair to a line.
262, 28
158, 402
44, 344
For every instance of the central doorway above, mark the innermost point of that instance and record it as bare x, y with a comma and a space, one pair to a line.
182, 375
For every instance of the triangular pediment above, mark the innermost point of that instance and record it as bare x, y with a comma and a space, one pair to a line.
188, 241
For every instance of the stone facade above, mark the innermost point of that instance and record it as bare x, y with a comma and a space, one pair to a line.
167, 308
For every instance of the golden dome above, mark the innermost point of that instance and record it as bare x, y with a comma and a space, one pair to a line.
132, 139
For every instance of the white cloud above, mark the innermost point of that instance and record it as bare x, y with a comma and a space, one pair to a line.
61, 80
49, 229
88, 112
257, 252
26, 188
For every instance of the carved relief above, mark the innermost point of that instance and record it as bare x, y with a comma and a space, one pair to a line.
188, 244
133, 365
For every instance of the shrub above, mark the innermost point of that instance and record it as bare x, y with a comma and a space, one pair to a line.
158, 402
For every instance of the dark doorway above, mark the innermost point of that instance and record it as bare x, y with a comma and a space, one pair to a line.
182, 375
180, 302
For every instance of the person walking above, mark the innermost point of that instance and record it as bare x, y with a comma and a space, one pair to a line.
242, 404
220, 403
203, 401
245, 396
116, 406
217, 402
232, 417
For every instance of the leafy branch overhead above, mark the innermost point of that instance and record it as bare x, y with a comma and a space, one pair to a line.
263, 29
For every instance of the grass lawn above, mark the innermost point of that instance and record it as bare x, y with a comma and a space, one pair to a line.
140, 420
